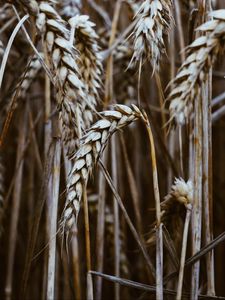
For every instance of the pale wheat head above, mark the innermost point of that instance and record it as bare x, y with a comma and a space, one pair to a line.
91, 147
152, 21
202, 53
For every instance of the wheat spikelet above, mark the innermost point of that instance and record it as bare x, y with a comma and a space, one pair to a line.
69, 8
202, 53
173, 209
92, 144
89, 63
25, 81
31, 6
5, 13
2, 50
152, 21
71, 91
31, 72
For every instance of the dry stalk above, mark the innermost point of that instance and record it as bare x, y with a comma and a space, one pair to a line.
16, 207
159, 235
182, 192
116, 227
2, 190
109, 223
100, 240
53, 211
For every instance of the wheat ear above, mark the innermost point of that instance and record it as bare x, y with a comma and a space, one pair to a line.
89, 62
92, 145
152, 21
172, 208
202, 53
71, 91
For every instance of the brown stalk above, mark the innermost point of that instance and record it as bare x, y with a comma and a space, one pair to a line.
16, 205
133, 186
116, 217
159, 235
53, 210
100, 240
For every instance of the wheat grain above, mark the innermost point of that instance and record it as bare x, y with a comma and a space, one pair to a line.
202, 53
92, 144
31, 6
2, 49
31, 72
69, 8
152, 21
25, 81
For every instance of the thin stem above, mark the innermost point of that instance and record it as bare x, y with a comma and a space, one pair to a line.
128, 220
16, 205
116, 217
9, 45
53, 221
101, 227
183, 252
159, 235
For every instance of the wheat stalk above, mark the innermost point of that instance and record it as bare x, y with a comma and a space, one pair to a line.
2, 189
152, 21
109, 222
92, 144
202, 53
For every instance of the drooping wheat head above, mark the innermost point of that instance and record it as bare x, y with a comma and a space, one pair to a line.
91, 147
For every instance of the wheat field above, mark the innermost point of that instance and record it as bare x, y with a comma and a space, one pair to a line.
112, 149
